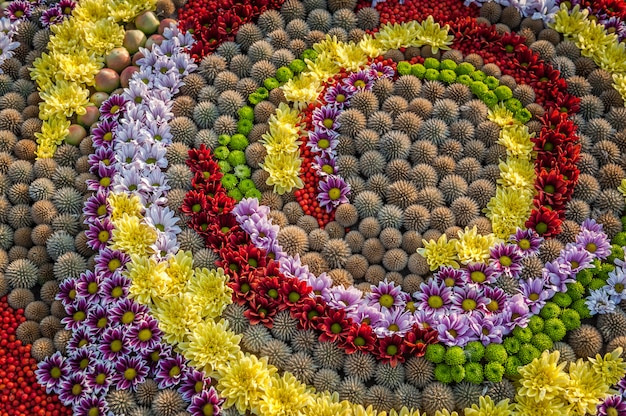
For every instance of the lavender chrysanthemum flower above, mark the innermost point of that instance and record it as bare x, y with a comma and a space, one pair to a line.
576, 257
365, 315
291, 266
130, 371
506, 259
454, 330
73, 389
247, 207
18, 10
114, 344
424, 319
451, 277
434, 297
590, 224
469, 300
339, 297
324, 119
360, 80
52, 16
601, 302
597, 243
80, 338
184, 64
137, 91
128, 312
536, 294
496, 299
325, 165
110, 262
324, 142
320, 284
379, 70
91, 405
97, 320
338, 95
113, 288
113, 107
263, 234
153, 155
77, 314
99, 233
81, 359
487, 329
145, 334
100, 377
479, 274
52, 371
96, 207
558, 274
394, 321
614, 405
516, 312
170, 371
386, 296
192, 383
207, 402
333, 192
527, 241
163, 219
67, 293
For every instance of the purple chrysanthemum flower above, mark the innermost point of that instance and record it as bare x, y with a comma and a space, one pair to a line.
110, 262
506, 259
325, 165
614, 405
207, 402
130, 371
102, 155
386, 296
338, 95
324, 142
81, 359
615, 25
621, 385
558, 274
527, 242
394, 321
487, 329
469, 300
170, 371
325, 118
379, 70
67, 6
80, 338
128, 312
333, 192
319, 284
576, 257
451, 277
192, 383
153, 155
263, 234
339, 297
99, 233
360, 80
100, 377
67, 293
479, 274
103, 133
248, 207
114, 344
425, 319
73, 389
496, 299
365, 315
98, 320
52, 371
516, 312
105, 173
114, 288
454, 330
597, 243
77, 314
52, 16
145, 334
434, 297
96, 206
601, 302
153, 356
536, 293
18, 10
90, 406
591, 225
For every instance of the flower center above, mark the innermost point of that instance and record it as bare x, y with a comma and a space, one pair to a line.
72, 294
334, 194
340, 98
591, 247
207, 409
130, 374
77, 389
449, 281
115, 109
328, 169
574, 264
114, 264
106, 181
294, 297
524, 244
477, 276
393, 327
128, 317
100, 378
533, 296
619, 287
328, 123
335, 328
144, 335
359, 83
79, 316
549, 189
435, 302
103, 236
84, 363
453, 333
55, 373
386, 300
108, 136
102, 322
323, 143
92, 288
245, 288
94, 411
506, 261
196, 208
272, 293
198, 386
392, 350
116, 345
541, 228
359, 341
493, 305
174, 371
611, 411
468, 304
102, 210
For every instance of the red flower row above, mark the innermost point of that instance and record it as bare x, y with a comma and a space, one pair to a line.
610, 8
212, 22
257, 282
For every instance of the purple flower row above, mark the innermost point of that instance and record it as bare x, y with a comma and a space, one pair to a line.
8, 28
324, 137
20, 10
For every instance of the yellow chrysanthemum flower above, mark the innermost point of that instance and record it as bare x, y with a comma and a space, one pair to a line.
517, 174
302, 90
371, 46
45, 149
350, 56
526, 406
326, 404
622, 188
132, 236
360, 410
149, 279
212, 344
328, 45
178, 315
281, 138
180, 270
619, 83
585, 389
593, 39
508, 210
243, 382
286, 396
568, 21
439, 253
472, 247
501, 115
445, 412
44, 71
124, 203
405, 411
543, 379
429, 32
125, 10
103, 36
63, 99
487, 407
612, 58
53, 132
80, 67
610, 368
210, 292
67, 37
516, 139
284, 171
324, 67
91, 10
397, 35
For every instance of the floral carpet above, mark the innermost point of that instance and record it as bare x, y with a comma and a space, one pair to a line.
316, 207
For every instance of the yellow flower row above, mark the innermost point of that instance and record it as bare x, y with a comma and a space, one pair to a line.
282, 142
594, 42
512, 204
76, 53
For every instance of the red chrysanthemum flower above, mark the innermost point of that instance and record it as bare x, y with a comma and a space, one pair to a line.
260, 310
334, 325
293, 292
391, 350
194, 203
545, 222
417, 339
359, 338
308, 312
